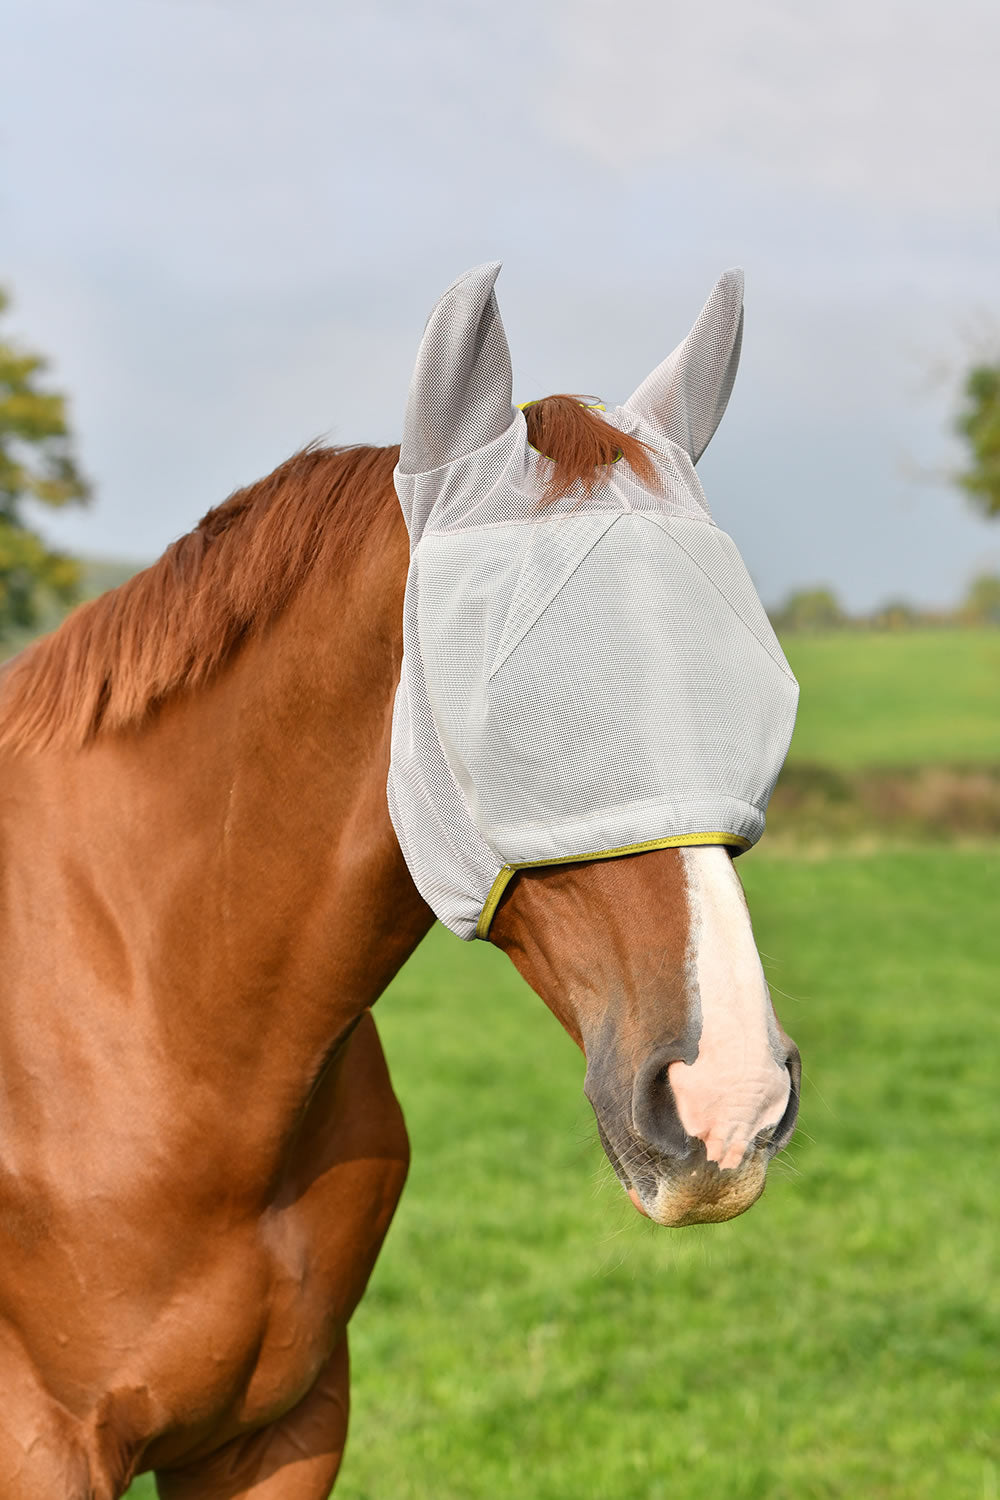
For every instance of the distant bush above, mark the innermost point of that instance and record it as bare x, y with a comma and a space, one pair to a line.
982, 602
815, 801
809, 609
897, 614
818, 609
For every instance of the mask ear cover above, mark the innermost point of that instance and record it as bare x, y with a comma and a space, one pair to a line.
686, 396
460, 395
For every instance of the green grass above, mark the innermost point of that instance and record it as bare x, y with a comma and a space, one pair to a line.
527, 1334
874, 698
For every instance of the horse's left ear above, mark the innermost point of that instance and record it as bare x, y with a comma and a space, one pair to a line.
686, 396
462, 389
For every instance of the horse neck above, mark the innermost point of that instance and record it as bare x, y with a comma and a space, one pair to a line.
252, 817
310, 848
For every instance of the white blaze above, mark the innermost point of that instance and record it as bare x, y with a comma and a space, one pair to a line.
735, 1088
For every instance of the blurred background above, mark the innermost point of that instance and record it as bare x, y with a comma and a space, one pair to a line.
223, 225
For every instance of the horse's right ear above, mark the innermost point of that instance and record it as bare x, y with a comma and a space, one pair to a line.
686, 396
461, 393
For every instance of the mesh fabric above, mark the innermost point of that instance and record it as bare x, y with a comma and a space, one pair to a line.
582, 677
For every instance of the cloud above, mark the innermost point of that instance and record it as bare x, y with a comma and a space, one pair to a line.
888, 102
252, 144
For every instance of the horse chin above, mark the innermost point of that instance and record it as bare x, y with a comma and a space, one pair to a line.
700, 1193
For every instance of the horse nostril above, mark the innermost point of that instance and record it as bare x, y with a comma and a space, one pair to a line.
654, 1110
785, 1128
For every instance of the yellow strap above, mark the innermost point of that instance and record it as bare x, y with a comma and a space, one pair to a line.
676, 841
588, 405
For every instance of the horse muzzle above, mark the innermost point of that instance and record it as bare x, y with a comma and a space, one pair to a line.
675, 1177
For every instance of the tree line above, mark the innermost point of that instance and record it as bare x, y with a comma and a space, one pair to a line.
817, 609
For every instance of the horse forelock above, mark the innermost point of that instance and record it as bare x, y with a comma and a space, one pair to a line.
176, 623
581, 446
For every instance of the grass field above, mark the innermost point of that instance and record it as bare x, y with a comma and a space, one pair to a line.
527, 1334
876, 698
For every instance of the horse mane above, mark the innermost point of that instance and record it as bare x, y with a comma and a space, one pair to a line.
115, 659
172, 626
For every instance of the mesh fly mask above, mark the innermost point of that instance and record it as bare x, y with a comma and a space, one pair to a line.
584, 679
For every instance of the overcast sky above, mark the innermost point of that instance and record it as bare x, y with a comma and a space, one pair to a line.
227, 220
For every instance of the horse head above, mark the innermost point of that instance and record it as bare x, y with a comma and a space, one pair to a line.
592, 713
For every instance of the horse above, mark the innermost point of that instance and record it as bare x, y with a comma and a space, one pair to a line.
203, 892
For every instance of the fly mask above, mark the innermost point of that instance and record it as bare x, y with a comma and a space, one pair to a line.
581, 679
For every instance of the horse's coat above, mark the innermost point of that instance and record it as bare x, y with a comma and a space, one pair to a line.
201, 896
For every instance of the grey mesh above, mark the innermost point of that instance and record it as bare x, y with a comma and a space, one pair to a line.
585, 678
686, 397
460, 394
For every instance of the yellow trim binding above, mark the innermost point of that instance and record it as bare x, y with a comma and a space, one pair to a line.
595, 405
675, 841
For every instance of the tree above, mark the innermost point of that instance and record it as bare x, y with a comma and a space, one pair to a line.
897, 614
809, 609
978, 422
982, 602
36, 465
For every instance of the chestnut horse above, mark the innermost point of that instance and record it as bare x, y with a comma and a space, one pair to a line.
202, 897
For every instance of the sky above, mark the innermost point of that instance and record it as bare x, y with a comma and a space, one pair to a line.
227, 220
